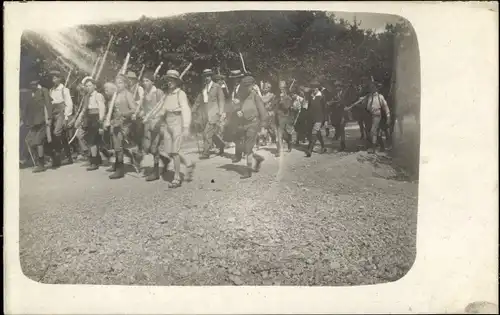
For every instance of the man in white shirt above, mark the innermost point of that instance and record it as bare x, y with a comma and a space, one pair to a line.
94, 113
63, 109
377, 106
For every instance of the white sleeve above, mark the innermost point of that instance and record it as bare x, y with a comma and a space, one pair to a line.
68, 110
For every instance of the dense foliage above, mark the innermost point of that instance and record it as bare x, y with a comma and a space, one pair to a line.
275, 44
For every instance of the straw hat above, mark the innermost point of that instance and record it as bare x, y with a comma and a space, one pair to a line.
235, 74
173, 74
131, 75
56, 73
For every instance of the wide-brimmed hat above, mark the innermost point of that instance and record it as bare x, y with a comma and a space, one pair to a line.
55, 73
149, 75
235, 74
207, 72
247, 81
131, 75
315, 84
218, 77
173, 74
84, 80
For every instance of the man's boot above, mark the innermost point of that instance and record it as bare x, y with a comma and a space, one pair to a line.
56, 160
166, 161
112, 168
119, 167
258, 162
40, 167
155, 174
310, 147
93, 164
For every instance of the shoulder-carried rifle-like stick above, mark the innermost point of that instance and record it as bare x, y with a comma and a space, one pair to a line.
139, 80
158, 105
67, 77
243, 63
291, 85
94, 69
113, 99
157, 70
98, 74
47, 125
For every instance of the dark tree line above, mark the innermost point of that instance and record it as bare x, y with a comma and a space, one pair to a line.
276, 45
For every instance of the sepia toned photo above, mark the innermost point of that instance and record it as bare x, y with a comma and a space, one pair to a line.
254, 148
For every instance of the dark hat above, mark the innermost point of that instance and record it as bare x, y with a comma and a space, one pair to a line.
234, 74
90, 80
247, 81
315, 84
173, 74
218, 77
207, 72
149, 75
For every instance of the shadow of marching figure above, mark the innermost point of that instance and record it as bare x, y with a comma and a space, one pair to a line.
240, 169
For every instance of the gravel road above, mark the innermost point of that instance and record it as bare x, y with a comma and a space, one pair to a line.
333, 219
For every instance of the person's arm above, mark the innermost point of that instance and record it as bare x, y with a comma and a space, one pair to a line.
48, 103
221, 100
140, 91
185, 109
131, 103
101, 105
68, 101
385, 107
259, 103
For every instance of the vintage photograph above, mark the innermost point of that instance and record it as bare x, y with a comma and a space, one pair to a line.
257, 148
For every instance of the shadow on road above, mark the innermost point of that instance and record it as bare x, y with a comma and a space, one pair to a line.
240, 169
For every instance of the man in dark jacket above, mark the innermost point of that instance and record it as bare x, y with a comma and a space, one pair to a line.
211, 101
37, 116
317, 117
284, 119
251, 111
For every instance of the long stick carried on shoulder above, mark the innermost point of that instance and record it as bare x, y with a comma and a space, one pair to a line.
122, 71
158, 105
98, 74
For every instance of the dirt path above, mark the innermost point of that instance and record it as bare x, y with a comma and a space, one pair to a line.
333, 219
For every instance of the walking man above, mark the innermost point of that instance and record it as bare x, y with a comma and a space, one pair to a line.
232, 131
175, 119
269, 99
283, 119
36, 120
212, 102
151, 140
92, 117
121, 121
317, 116
62, 109
250, 109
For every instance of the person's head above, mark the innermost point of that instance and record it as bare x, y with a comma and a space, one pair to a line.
236, 76
34, 84
283, 90
219, 79
315, 86
247, 84
90, 85
109, 89
132, 78
173, 79
121, 83
148, 80
372, 87
56, 77
207, 76
266, 87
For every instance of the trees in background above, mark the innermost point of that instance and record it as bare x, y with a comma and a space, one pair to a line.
276, 45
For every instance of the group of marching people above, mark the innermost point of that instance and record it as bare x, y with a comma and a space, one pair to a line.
148, 120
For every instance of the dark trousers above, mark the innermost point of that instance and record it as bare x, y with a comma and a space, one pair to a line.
209, 134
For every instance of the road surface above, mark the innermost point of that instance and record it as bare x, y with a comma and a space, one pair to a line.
333, 219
